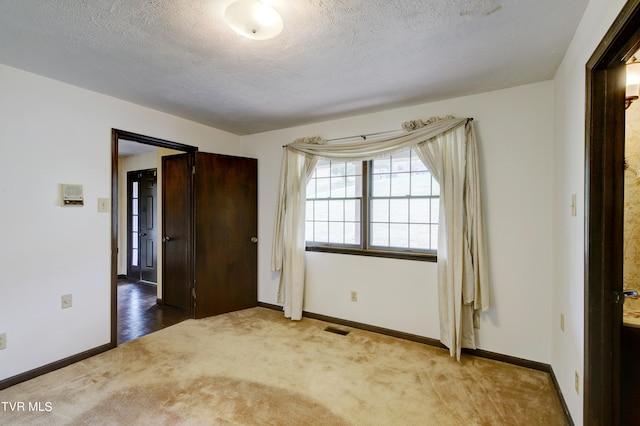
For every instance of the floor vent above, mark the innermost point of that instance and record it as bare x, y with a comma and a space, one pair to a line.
337, 331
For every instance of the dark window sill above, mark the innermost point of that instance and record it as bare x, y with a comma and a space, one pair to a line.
424, 257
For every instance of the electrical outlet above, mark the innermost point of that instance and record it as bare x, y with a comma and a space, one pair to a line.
67, 301
3, 341
561, 321
577, 383
354, 296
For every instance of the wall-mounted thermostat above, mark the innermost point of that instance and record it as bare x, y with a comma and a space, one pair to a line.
71, 195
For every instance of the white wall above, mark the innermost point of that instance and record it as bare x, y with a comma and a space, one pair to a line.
515, 130
54, 133
568, 170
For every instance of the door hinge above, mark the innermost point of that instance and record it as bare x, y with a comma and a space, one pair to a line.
193, 170
193, 292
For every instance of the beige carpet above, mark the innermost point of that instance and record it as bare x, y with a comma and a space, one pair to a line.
254, 367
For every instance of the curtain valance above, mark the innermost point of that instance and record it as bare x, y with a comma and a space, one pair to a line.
369, 149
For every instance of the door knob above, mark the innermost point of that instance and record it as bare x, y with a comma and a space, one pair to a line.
254, 239
166, 239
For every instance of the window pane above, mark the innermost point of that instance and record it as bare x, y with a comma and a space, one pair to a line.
352, 232
354, 168
336, 232
399, 235
338, 169
308, 231
400, 184
400, 162
381, 165
134, 257
379, 210
420, 183
352, 210
134, 223
322, 210
419, 237
379, 234
323, 187
134, 189
336, 210
134, 207
419, 210
338, 185
321, 232
381, 185
354, 186
323, 169
399, 210
309, 210
134, 240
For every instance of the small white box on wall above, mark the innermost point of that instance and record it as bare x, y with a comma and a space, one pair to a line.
71, 195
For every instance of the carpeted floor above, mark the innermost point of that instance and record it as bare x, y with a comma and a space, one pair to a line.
254, 367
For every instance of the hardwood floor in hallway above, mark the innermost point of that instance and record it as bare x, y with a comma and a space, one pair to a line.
139, 313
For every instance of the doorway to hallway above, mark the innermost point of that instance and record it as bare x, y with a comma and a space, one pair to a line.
136, 307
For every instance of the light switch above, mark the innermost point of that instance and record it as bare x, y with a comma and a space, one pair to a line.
103, 205
66, 301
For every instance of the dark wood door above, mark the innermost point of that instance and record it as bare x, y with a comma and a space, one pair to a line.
142, 225
176, 230
148, 225
225, 233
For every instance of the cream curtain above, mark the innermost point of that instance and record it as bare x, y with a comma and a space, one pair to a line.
462, 268
448, 148
288, 243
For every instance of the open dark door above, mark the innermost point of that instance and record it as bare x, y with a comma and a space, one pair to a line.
225, 234
221, 274
176, 226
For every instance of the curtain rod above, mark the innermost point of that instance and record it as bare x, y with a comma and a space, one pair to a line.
366, 135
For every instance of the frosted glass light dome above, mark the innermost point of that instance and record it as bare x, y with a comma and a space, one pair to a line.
253, 19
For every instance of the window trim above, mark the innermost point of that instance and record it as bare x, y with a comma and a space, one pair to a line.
407, 255
364, 249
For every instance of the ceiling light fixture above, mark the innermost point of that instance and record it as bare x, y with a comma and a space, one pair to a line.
253, 19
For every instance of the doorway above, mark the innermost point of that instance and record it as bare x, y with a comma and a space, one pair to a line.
136, 309
604, 217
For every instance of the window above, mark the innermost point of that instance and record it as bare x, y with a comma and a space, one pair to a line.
386, 206
135, 255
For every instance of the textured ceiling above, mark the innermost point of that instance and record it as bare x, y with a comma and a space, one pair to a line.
334, 58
